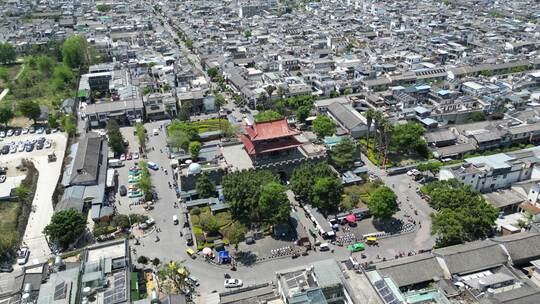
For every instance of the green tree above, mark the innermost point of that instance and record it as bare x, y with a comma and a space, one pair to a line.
267, 115
205, 186
432, 167
343, 154
463, 215
142, 260
304, 177
236, 233
103, 8
145, 182
141, 134
407, 138
247, 33
302, 113
179, 139
209, 223
189, 43
67, 124
219, 100
476, 117
184, 113
6, 115
4, 74
326, 194
29, 109
65, 227
324, 126
383, 203
242, 191
173, 276
121, 221
274, 205
63, 77
53, 121
212, 72
194, 149
45, 64
7, 53
114, 136
74, 51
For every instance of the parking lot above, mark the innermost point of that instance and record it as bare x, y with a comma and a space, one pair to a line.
49, 174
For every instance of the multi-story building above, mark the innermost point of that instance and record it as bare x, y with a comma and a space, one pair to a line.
488, 173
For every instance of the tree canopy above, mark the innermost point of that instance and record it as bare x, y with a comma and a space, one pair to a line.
407, 138
319, 184
145, 182
7, 53
182, 133
29, 109
205, 186
324, 126
302, 113
246, 191
343, 154
74, 51
65, 227
194, 149
141, 134
268, 115
383, 203
6, 114
274, 205
463, 214
114, 136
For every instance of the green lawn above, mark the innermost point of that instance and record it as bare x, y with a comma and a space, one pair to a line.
9, 213
211, 125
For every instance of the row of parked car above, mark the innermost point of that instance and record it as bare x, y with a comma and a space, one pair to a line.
27, 145
22, 131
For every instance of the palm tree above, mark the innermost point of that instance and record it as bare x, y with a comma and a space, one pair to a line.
387, 136
370, 113
270, 89
377, 118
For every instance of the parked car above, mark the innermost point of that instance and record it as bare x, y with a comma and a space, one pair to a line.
6, 268
2, 134
31, 130
2, 178
231, 283
135, 155
122, 190
22, 258
40, 131
20, 148
9, 132
13, 148
29, 147
153, 166
123, 157
17, 132
192, 280
39, 146
25, 131
47, 144
5, 149
129, 156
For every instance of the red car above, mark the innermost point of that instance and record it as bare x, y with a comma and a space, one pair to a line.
129, 156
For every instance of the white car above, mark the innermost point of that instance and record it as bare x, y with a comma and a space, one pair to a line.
135, 155
22, 258
13, 148
2, 134
20, 148
231, 283
412, 172
10, 132
47, 144
25, 131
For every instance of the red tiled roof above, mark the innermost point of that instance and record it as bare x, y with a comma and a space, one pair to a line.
269, 130
258, 148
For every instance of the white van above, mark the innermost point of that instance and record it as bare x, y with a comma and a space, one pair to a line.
115, 163
155, 132
175, 219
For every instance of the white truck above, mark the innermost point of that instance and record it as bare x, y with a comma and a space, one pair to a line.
115, 163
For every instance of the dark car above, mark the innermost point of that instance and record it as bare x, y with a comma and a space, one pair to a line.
39, 145
48, 131
17, 132
5, 149
29, 147
6, 268
122, 190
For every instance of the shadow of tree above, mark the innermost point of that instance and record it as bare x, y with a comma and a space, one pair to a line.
391, 225
246, 258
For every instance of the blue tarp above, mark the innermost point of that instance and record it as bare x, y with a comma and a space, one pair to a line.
223, 257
